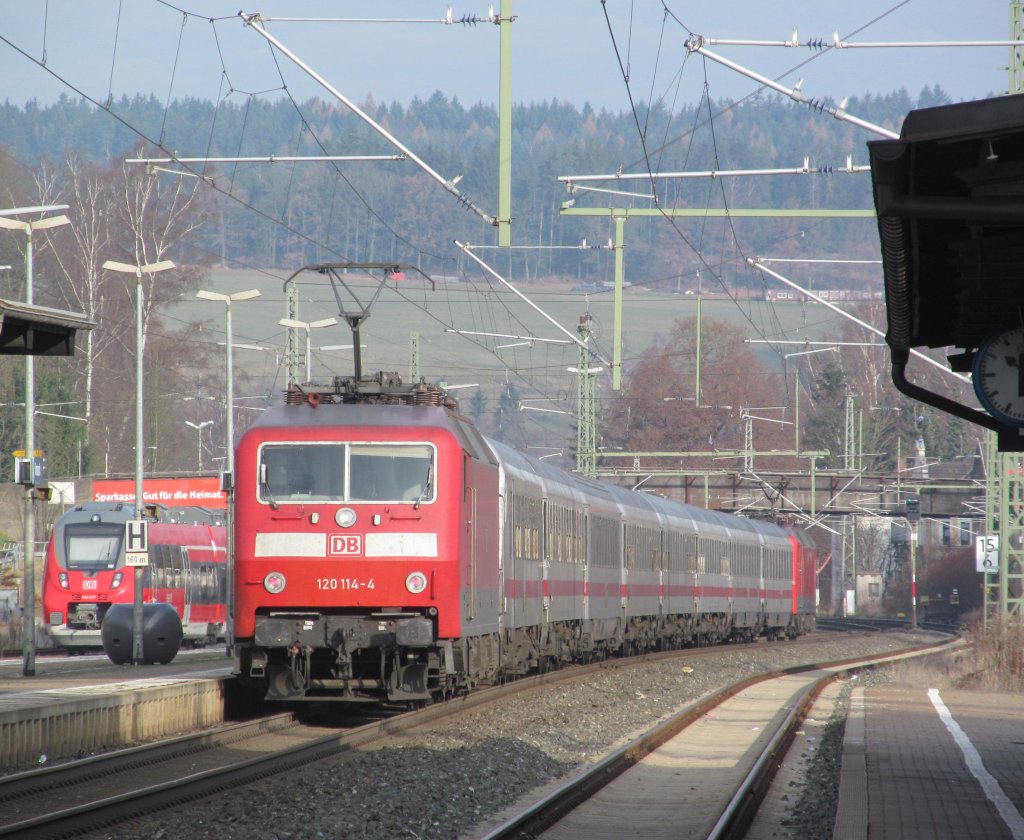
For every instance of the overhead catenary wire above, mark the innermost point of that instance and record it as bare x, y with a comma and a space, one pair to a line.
645, 131
271, 218
755, 263
255, 21
156, 143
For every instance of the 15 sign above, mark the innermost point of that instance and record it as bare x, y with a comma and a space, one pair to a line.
986, 553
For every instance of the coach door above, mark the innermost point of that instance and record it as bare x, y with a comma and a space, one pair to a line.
626, 558
581, 553
663, 574
474, 556
546, 540
185, 582
505, 604
761, 562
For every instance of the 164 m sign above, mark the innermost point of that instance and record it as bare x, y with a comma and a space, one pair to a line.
136, 542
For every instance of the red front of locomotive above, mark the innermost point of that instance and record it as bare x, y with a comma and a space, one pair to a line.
85, 571
84, 574
347, 530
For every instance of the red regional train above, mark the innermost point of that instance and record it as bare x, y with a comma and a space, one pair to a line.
386, 550
85, 572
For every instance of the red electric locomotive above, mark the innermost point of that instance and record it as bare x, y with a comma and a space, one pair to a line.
85, 572
386, 550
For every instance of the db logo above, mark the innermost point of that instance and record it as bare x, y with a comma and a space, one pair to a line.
90, 584
345, 544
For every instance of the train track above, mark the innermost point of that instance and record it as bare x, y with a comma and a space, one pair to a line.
700, 774
95, 793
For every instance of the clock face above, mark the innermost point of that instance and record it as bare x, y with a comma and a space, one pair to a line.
999, 376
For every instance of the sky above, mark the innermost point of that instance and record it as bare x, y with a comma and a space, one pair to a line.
562, 49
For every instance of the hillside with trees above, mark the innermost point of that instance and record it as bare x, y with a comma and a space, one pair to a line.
284, 216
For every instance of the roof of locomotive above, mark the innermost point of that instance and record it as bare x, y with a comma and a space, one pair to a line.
354, 414
376, 414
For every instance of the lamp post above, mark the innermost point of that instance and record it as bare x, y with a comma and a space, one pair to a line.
138, 271
307, 326
199, 440
227, 300
912, 512
229, 452
29, 580
796, 385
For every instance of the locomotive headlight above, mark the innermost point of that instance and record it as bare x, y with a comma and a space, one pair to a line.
116, 582
274, 583
416, 582
345, 517
63, 578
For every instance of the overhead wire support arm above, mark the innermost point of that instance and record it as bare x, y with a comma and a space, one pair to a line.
575, 188
571, 181
448, 20
527, 339
837, 43
756, 263
696, 45
267, 159
255, 20
468, 251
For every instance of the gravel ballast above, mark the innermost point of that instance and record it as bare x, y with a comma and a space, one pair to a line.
448, 781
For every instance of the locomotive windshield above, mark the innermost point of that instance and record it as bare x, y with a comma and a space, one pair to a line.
93, 546
355, 472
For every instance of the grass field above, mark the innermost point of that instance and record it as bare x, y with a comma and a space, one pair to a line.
538, 372
410, 306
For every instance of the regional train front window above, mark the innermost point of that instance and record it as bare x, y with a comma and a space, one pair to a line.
89, 546
355, 472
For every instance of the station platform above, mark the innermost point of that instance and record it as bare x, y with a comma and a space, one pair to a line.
72, 707
929, 764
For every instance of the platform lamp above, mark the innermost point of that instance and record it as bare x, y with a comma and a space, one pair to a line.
29, 582
229, 453
199, 438
308, 326
140, 450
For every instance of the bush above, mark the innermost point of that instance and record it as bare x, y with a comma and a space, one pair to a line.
998, 655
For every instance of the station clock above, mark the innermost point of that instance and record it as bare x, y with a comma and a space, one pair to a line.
998, 376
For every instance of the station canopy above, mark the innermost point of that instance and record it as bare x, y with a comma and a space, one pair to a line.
949, 196
28, 330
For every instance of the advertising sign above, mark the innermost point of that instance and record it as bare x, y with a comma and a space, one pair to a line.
172, 492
